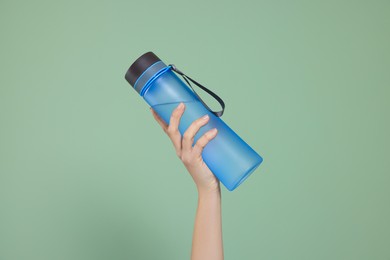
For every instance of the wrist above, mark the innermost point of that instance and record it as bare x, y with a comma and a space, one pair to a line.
207, 192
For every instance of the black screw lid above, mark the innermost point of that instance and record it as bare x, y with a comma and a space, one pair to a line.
139, 66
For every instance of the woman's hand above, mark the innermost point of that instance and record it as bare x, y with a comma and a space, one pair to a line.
207, 237
191, 156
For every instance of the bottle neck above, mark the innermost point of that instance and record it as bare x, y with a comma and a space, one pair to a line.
149, 75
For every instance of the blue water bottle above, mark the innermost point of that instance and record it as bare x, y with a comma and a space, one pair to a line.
230, 158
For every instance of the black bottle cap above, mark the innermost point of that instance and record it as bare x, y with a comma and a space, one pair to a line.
139, 66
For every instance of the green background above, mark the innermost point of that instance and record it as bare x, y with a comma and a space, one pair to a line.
86, 172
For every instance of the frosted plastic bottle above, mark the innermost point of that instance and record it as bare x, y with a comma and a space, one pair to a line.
230, 158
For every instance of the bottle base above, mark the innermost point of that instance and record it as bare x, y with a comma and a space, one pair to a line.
245, 176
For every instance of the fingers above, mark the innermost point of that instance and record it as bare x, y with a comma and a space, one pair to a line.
204, 140
159, 120
174, 121
185, 144
173, 128
188, 136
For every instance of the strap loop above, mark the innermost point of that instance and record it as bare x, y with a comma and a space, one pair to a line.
186, 78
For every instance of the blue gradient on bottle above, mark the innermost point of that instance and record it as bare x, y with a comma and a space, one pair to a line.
230, 158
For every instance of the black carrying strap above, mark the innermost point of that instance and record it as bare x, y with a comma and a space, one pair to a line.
186, 78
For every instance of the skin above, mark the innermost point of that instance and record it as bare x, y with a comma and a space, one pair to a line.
207, 236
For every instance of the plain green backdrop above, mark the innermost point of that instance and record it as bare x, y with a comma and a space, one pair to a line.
86, 172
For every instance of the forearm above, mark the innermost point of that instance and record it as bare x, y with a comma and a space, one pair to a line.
207, 236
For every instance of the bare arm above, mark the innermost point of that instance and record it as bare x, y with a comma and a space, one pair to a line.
207, 236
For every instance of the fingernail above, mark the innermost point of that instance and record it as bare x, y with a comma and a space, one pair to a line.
214, 130
180, 106
205, 117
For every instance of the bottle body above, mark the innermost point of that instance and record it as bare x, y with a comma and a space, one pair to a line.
229, 157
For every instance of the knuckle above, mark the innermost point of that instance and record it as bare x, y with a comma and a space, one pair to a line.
188, 162
173, 117
177, 112
197, 123
171, 131
194, 127
200, 121
198, 145
185, 159
208, 136
204, 141
211, 133
187, 135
